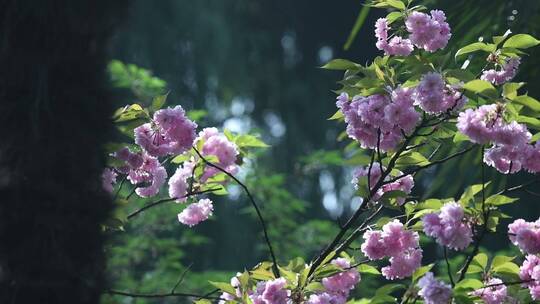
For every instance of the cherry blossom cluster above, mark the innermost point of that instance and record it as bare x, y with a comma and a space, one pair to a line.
426, 32
495, 294
525, 235
271, 292
506, 72
449, 226
529, 273
397, 243
434, 291
338, 286
404, 184
170, 132
434, 96
511, 150
379, 120
142, 169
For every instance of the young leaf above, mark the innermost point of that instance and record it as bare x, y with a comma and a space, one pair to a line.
473, 47
340, 64
483, 87
521, 41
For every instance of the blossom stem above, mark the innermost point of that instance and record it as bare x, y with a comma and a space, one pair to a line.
275, 268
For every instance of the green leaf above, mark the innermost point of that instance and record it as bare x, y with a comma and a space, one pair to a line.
470, 192
418, 273
527, 101
498, 39
247, 140
340, 64
159, 101
483, 87
497, 200
396, 4
510, 89
388, 288
225, 287
357, 26
507, 268
128, 113
412, 159
365, 268
289, 275
501, 260
475, 269
393, 16
337, 115
529, 121
196, 114
314, 287
181, 158
473, 47
481, 260
521, 41
469, 284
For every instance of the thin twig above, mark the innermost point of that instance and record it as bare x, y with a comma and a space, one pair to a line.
448, 269
166, 200
330, 247
159, 295
182, 276
257, 210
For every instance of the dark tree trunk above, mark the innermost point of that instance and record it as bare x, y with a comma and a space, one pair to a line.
54, 115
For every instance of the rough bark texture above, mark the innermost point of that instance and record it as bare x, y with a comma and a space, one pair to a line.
54, 113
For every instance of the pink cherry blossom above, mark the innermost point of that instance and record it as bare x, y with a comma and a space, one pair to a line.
196, 212
493, 295
529, 272
434, 291
108, 179
170, 132
449, 227
428, 32
525, 235
507, 71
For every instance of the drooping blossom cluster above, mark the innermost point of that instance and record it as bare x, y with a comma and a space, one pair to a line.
449, 226
169, 133
506, 72
396, 46
108, 179
529, 273
495, 294
434, 96
338, 286
397, 243
379, 120
511, 150
404, 184
434, 291
271, 292
525, 235
218, 145
142, 169
196, 212
426, 32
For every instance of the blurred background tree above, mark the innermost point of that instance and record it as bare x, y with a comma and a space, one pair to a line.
252, 65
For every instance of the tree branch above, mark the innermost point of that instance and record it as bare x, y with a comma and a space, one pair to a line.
159, 295
166, 200
275, 268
